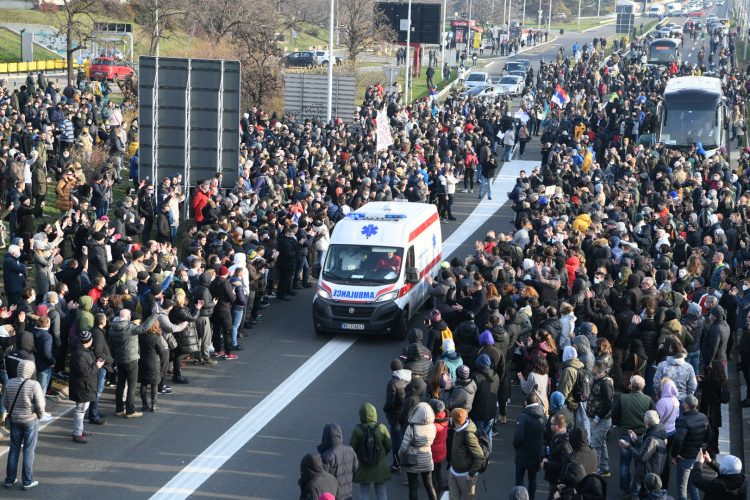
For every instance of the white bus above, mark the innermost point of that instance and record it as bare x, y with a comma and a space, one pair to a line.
693, 112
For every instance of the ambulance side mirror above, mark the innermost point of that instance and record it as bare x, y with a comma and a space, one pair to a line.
412, 275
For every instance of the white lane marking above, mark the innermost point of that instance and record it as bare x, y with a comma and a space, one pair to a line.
200, 469
207, 463
486, 208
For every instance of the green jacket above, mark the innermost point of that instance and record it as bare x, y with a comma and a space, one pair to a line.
84, 317
466, 454
567, 382
379, 473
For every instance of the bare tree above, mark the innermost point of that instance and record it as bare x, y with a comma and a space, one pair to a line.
362, 26
220, 19
74, 19
262, 78
172, 14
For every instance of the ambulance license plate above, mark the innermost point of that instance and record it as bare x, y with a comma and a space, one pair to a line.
352, 326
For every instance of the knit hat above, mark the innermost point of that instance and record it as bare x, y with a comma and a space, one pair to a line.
569, 353
459, 416
84, 336
486, 338
652, 482
463, 372
556, 401
327, 496
449, 345
483, 361
396, 364
436, 405
223, 271
729, 464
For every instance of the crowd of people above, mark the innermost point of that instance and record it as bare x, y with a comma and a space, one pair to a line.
619, 292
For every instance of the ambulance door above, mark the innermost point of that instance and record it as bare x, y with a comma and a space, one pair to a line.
411, 277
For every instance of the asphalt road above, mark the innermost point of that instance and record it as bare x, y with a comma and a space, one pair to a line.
133, 459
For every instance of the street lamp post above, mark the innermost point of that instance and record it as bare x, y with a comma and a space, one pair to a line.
549, 19
331, 25
523, 15
443, 41
579, 15
407, 78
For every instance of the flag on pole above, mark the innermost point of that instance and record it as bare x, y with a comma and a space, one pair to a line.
560, 97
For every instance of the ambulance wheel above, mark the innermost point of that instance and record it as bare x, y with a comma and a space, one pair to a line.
403, 326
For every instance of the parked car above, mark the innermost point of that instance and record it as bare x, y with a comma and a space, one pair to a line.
510, 85
477, 78
321, 57
109, 68
300, 60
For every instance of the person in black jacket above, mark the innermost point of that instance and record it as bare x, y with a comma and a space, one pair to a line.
314, 480
163, 227
286, 262
84, 369
203, 323
485, 399
691, 433
557, 449
97, 256
101, 351
395, 393
528, 441
187, 340
729, 482
221, 318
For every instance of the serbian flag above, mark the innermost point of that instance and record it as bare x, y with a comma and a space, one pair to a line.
560, 97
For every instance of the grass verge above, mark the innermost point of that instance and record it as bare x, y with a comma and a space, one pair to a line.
10, 48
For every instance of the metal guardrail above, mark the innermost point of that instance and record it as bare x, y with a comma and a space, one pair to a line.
25, 67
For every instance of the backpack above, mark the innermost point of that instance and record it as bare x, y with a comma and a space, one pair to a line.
582, 385
484, 443
369, 451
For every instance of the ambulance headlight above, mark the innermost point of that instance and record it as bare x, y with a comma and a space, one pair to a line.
388, 296
323, 294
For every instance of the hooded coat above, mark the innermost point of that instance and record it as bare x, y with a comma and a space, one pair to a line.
417, 439
668, 406
528, 438
149, 364
338, 459
84, 317
582, 453
30, 403
84, 374
568, 378
395, 393
583, 348
314, 480
378, 473
461, 395
729, 484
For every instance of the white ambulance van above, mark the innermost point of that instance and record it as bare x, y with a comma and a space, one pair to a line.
373, 276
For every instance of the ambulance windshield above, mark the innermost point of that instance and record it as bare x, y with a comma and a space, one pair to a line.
358, 264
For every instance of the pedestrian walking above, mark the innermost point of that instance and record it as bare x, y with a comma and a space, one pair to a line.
24, 399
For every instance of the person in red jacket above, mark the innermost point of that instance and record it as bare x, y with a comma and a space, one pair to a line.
200, 200
439, 445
